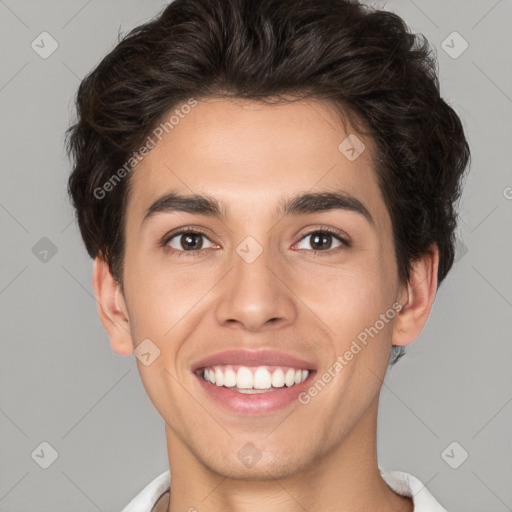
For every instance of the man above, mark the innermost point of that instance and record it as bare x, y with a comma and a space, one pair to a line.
268, 189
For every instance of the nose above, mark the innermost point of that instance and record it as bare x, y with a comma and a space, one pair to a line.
256, 296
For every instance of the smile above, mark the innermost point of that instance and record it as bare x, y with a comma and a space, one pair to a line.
253, 379
252, 382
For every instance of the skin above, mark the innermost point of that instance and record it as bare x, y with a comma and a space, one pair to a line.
315, 457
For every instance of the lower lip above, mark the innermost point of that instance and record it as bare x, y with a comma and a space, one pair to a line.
257, 403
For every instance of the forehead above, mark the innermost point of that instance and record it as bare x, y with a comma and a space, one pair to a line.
248, 154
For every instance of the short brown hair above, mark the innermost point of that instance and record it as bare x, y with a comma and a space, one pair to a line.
364, 61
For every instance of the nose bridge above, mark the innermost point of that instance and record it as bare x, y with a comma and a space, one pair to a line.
254, 297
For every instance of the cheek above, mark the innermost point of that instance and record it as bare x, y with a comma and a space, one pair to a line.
154, 292
347, 300
157, 303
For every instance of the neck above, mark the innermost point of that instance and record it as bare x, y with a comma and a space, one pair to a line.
346, 478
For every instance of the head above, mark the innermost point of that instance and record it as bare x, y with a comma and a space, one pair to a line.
237, 118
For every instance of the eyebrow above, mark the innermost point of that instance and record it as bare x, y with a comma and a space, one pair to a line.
301, 204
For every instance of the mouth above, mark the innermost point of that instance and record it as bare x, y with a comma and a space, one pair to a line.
253, 380
252, 383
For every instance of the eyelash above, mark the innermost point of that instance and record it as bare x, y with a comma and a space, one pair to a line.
183, 231
188, 230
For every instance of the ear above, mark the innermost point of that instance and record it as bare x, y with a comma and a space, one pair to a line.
417, 298
112, 308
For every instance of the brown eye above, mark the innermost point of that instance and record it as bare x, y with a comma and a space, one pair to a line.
320, 241
188, 241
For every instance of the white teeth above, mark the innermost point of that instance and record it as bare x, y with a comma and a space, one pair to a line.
252, 380
229, 378
290, 377
219, 377
244, 378
278, 378
262, 379
253, 391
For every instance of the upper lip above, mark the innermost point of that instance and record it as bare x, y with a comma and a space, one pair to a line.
253, 358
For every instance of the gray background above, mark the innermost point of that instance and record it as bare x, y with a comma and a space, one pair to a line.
60, 380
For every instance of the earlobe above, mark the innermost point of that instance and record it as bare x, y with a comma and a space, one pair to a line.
417, 298
112, 308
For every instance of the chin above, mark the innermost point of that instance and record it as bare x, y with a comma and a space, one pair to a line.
242, 465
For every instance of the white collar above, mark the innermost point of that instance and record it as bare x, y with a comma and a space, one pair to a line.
400, 482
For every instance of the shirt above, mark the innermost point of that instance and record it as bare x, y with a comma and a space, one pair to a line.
400, 482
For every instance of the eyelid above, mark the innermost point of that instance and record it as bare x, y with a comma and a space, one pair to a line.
340, 236
181, 231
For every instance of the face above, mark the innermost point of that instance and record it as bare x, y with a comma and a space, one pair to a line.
234, 271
